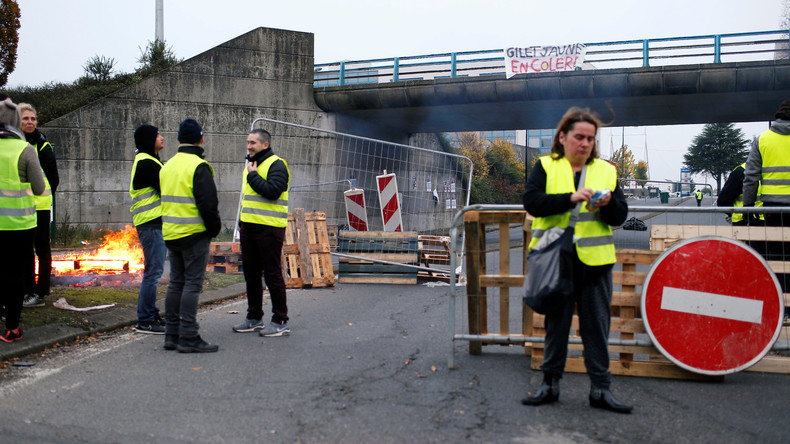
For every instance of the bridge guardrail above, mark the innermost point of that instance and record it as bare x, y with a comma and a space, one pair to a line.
713, 48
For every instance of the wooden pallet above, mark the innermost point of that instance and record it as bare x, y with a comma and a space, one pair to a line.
398, 247
644, 361
664, 236
434, 253
307, 261
627, 322
224, 257
331, 231
225, 268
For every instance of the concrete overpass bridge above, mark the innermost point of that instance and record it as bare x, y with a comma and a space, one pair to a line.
720, 87
270, 73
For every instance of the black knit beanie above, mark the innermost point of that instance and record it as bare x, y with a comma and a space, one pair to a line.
145, 138
784, 111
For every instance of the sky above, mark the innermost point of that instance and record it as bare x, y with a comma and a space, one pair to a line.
58, 37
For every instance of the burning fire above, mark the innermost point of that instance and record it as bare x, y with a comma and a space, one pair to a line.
119, 252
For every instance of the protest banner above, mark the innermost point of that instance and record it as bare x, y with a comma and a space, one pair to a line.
531, 59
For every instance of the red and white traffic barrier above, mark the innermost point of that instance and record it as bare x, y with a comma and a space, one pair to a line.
356, 214
388, 200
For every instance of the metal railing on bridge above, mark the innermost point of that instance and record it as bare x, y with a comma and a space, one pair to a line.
715, 48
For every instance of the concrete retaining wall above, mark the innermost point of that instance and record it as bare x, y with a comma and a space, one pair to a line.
263, 73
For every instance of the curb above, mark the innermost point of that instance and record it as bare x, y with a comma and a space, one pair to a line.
40, 338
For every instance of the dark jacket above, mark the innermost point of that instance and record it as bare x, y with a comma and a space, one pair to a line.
205, 192
732, 188
276, 181
46, 157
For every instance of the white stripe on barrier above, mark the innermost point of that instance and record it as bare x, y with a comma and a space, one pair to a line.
388, 200
356, 214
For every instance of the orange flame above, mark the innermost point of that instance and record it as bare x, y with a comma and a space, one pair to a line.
118, 248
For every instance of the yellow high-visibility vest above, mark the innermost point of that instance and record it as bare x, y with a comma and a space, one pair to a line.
17, 205
595, 244
737, 217
257, 209
775, 174
146, 202
180, 214
44, 201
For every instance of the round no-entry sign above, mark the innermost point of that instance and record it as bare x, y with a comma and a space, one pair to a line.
712, 305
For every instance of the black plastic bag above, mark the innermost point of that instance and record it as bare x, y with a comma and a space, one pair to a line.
634, 224
548, 286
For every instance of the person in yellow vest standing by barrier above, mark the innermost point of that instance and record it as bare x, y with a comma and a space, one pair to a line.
731, 195
767, 178
190, 218
551, 193
264, 217
147, 218
20, 179
698, 195
36, 292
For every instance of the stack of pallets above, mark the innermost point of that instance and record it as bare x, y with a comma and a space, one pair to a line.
225, 257
394, 247
307, 261
435, 253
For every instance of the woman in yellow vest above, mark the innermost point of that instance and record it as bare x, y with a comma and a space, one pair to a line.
20, 179
551, 193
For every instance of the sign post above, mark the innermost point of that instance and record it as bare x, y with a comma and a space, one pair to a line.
712, 305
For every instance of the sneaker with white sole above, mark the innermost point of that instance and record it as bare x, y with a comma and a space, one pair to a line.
274, 329
32, 300
150, 328
248, 325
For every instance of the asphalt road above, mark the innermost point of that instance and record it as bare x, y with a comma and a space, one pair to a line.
364, 363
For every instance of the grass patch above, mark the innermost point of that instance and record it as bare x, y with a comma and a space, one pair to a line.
120, 295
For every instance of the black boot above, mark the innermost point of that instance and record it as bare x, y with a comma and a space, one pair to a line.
604, 399
171, 342
195, 345
548, 392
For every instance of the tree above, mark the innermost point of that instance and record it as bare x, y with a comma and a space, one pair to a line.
9, 38
473, 146
156, 56
716, 151
99, 68
624, 162
640, 173
506, 172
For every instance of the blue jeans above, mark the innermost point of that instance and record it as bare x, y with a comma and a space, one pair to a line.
154, 252
187, 272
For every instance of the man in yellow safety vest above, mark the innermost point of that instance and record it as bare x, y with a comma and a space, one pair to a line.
264, 217
190, 218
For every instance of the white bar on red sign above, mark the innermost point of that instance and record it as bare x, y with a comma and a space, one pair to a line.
711, 304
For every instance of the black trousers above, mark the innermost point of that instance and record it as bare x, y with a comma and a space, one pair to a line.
14, 263
593, 299
261, 254
44, 252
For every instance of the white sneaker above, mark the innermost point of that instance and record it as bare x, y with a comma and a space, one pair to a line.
274, 329
249, 325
